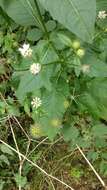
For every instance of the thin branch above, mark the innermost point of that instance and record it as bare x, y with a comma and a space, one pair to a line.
17, 148
29, 141
35, 165
93, 169
21, 128
37, 146
50, 182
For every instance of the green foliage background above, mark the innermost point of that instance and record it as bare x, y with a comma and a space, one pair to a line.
69, 41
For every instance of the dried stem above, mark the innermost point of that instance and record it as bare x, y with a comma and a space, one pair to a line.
17, 148
35, 165
93, 169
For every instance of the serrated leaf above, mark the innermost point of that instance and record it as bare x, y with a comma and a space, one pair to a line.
99, 130
20, 180
54, 103
29, 82
70, 133
34, 34
95, 99
50, 25
93, 155
53, 106
78, 16
48, 128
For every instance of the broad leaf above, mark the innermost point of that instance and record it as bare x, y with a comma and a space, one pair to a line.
70, 133
54, 108
99, 130
21, 11
30, 83
78, 16
20, 180
34, 34
95, 98
97, 68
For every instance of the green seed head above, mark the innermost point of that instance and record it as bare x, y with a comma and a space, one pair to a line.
55, 123
80, 52
35, 131
66, 104
76, 44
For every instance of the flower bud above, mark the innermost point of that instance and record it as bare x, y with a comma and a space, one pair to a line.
66, 104
76, 44
80, 52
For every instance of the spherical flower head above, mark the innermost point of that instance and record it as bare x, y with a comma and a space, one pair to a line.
80, 52
56, 122
76, 44
26, 51
36, 102
66, 104
35, 131
35, 68
102, 14
85, 68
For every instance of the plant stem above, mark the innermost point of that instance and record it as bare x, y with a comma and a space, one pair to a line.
45, 29
93, 169
41, 19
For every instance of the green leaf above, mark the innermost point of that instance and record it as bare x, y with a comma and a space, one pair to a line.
77, 66
78, 16
54, 103
70, 133
95, 98
97, 68
99, 130
48, 127
65, 39
22, 12
20, 180
5, 149
103, 168
30, 82
45, 52
50, 25
93, 155
4, 159
54, 108
34, 34
1, 184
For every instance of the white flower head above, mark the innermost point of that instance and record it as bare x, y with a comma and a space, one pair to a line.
26, 51
85, 68
35, 68
36, 102
102, 14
